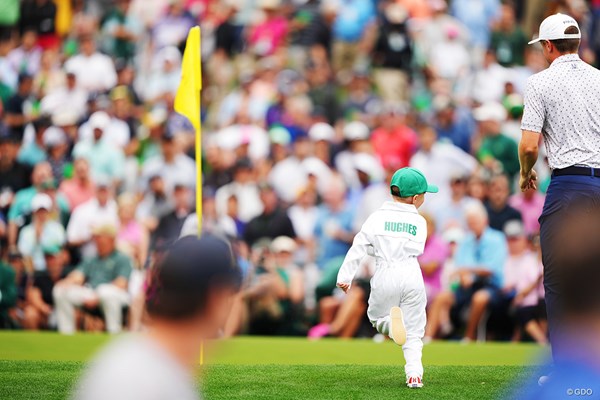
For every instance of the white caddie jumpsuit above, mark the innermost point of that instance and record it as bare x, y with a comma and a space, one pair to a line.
395, 235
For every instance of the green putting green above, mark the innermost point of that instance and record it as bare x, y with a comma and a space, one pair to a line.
45, 366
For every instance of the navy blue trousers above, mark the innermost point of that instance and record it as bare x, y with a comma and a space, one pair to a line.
562, 192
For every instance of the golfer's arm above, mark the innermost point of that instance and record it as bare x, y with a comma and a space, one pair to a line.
528, 151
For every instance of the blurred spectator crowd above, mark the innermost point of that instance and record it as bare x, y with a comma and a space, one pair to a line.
308, 107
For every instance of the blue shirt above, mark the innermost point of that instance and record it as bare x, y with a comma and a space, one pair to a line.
460, 132
352, 19
477, 16
327, 223
489, 252
105, 159
53, 235
31, 154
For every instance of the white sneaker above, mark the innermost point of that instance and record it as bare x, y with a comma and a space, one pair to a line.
397, 329
543, 380
414, 382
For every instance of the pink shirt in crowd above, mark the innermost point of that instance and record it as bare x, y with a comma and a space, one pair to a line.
268, 36
522, 271
436, 250
530, 210
75, 193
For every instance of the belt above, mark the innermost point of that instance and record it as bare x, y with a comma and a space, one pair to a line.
580, 171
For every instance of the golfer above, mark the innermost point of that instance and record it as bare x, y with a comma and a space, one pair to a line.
562, 104
188, 299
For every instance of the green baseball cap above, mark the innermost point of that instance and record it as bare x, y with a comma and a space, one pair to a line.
51, 250
411, 182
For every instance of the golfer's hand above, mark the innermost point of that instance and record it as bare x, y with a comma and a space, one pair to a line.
344, 286
528, 181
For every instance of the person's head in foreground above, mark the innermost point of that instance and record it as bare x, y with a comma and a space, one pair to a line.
559, 35
409, 185
188, 298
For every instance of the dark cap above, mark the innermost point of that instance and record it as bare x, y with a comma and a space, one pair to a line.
44, 121
23, 76
242, 163
180, 282
168, 135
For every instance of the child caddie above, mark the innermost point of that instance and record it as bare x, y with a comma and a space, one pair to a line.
395, 236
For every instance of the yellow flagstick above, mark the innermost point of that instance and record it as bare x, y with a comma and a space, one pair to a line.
187, 103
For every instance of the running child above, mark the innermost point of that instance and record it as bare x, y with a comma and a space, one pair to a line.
395, 235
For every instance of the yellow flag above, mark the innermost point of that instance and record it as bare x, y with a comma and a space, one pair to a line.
187, 103
187, 100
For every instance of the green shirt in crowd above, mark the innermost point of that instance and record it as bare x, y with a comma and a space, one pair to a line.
509, 47
8, 293
503, 149
98, 271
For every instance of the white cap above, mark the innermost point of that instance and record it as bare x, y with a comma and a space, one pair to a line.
99, 120
356, 130
283, 243
54, 136
453, 235
102, 181
492, 111
41, 201
514, 228
321, 131
366, 163
65, 118
553, 28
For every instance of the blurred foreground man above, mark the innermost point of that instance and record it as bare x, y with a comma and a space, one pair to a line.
188, 299
577, 251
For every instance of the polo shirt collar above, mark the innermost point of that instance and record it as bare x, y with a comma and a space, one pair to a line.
566, 58
395, 206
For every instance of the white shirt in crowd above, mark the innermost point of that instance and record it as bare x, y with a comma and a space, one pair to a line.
136, 368
65, 101
562, 103
117, 133
95, 73
372, 199
181, 170
439, 165
248, 195
453, 214
290, 176
488, 84
450, 59
304, 220
85, 217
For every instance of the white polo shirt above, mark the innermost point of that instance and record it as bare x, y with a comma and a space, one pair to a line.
563, 103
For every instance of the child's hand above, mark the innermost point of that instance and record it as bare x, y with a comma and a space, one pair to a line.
344, 286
